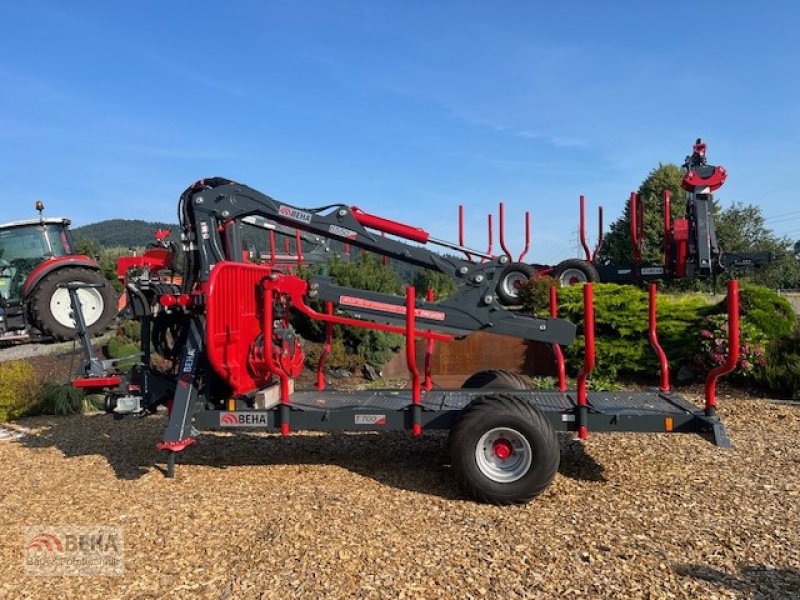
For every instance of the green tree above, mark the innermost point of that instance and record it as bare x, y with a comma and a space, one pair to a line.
741, 228
617, 247
441, 284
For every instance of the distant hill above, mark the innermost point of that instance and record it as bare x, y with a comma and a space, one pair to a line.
122, 232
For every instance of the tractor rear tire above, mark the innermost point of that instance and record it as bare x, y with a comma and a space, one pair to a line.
503, 450
495, 379
574, 271
50, 307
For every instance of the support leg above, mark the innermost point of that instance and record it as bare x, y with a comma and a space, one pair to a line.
179, 433
171, 458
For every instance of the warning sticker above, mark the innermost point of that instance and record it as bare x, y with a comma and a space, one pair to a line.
342, 231
433, 315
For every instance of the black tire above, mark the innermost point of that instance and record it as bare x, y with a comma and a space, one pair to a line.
41, 313
509, 281
510, 416
574, 271
496, 379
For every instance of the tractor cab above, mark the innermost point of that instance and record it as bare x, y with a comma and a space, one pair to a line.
23, 246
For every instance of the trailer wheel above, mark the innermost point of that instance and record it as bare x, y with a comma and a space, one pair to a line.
511, 278
503, 450
498, 379
50, 306
574, 271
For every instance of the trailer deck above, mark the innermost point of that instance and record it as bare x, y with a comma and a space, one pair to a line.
380, 410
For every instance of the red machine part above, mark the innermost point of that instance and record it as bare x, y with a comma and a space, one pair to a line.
154, 259
99, 383
416, 234
680, 237
693, 180
51, 264
233, 323
236, 316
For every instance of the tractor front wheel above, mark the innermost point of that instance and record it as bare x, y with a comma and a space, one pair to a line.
51, 310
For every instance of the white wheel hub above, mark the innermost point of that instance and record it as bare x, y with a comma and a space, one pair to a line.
503, 455
512, 282
92, 306
572, 277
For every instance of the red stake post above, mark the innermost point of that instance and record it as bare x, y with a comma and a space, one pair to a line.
429, 345
600, 240
583, 228
411, 362
652, 334
667, 228
559, 354
326, 349
733, 349
635, 225
588, 360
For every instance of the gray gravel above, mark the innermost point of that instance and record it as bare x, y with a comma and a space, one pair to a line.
367, 515
33, 350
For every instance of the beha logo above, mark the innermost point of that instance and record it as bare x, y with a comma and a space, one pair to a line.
45, 542
244, 419
228, 419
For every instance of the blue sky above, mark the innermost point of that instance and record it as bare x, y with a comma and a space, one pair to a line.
404, 108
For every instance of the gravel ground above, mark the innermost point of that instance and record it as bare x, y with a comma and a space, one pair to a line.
366, 515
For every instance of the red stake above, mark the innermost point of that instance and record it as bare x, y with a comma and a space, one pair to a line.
559, 354
637, 249
652, 335
461, 230
326, 349
503, 231
411, 362
583, 227
667, 228
733, 349
599, 245
588, 360
527, 236
429, 345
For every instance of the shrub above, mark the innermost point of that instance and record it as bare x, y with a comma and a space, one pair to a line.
535, 294
713, 349
339, 357
621, 319
63, 399
119, 347
132, 330
767, 311
781, 373
365, 273
18, 389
